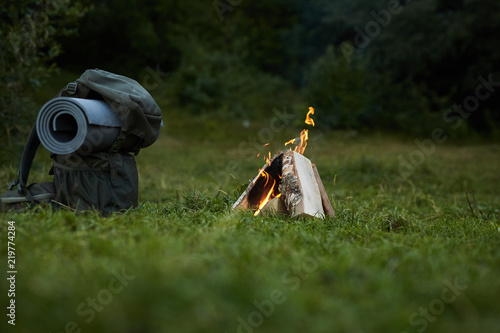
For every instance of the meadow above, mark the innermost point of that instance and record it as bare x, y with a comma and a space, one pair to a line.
414, 245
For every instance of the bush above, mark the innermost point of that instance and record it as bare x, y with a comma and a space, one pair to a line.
342, 90
354, 95
28, 29
209, 81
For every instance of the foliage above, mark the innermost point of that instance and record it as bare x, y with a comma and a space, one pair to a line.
342, 91
426, 55
208, 81
28, 29
193, 265
415, 64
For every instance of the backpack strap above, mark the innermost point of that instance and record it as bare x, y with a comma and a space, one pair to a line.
26, 161
116, 146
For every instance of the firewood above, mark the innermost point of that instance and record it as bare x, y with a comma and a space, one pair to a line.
299, 188
327, 205
244, 201
274, 206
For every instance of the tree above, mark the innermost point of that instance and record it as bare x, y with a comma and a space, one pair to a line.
28, 29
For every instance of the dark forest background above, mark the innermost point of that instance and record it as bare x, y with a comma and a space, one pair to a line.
397, 66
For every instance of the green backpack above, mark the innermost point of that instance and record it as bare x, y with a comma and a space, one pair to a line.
104, 177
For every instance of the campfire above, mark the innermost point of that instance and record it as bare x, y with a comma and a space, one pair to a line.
288, 183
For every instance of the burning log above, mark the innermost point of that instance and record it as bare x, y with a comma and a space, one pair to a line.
299, 187
288, 182
274, 206
252, 197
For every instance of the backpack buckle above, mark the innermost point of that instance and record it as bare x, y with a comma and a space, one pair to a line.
115, 147
14, 183
71, 87
138, 147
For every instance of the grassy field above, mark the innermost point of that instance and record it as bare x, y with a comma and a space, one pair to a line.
405, 252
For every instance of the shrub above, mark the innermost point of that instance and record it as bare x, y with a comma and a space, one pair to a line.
28, 28
342, 90
209, 81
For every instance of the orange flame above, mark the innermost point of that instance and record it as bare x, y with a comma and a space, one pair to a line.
267, 158
269, 187
268, 190
304, 135
309, 121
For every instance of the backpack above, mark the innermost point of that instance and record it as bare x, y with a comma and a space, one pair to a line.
105, 177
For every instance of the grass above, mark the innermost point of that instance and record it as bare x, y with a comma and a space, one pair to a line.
387, 262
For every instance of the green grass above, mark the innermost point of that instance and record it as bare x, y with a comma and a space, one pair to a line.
192, 265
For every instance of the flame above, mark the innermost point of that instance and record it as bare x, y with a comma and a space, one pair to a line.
304, 135
309, 121
270, 183
267, 158
270, 191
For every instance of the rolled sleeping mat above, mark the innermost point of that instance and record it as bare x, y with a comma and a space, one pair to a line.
66, 125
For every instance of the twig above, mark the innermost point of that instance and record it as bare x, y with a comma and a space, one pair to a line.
64, 206
220, 189
468, 201
475, 203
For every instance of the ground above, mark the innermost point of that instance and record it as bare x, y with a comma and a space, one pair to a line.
414, 245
